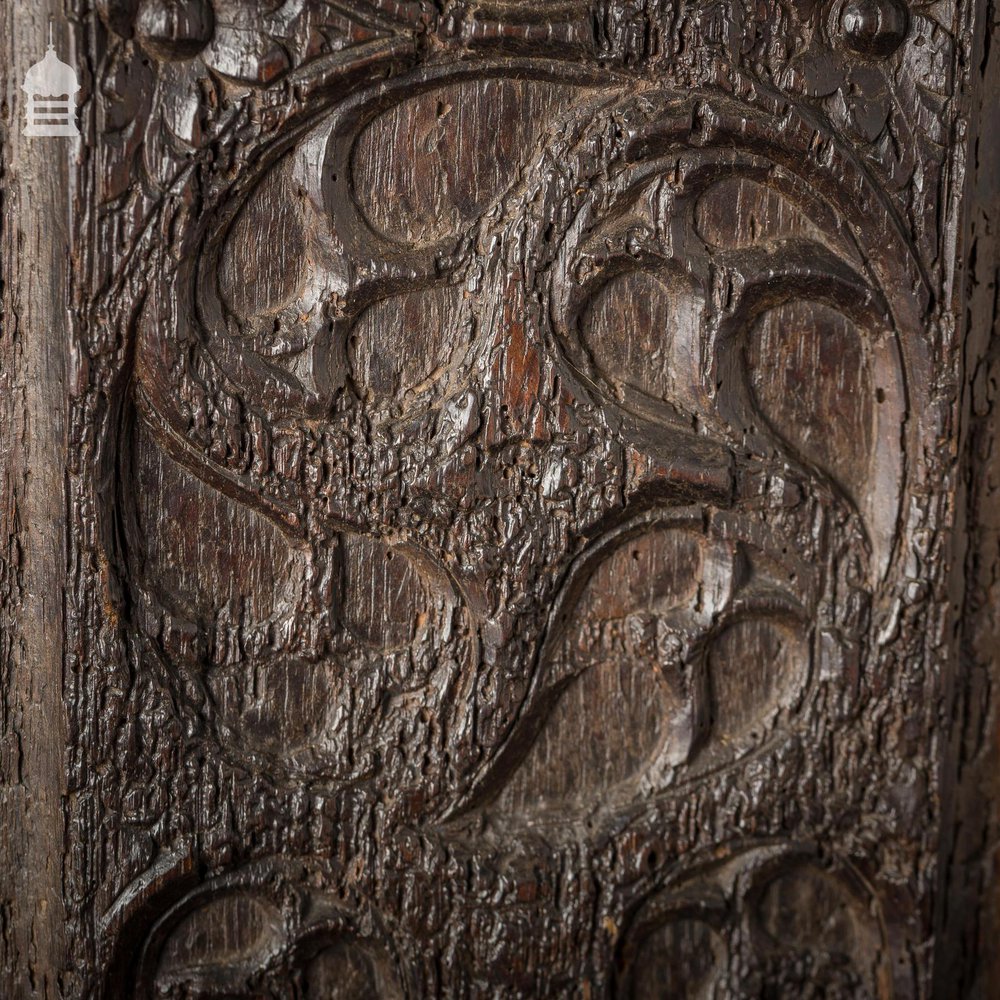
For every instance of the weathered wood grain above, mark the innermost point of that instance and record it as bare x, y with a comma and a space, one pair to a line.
968, 915
35, 373
498, 501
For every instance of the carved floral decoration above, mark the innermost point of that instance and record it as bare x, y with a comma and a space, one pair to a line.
183, 76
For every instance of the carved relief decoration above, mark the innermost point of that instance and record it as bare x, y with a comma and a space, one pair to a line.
510, 436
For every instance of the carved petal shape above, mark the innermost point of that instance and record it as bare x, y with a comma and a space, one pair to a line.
808, 911
635, 326
810, 375
220, 943
390, 596
263, 263
630, 698
406, 343
756, 667
347, 970
278, 704
204, 551
737, 213
175, 29
680, 960
432, 163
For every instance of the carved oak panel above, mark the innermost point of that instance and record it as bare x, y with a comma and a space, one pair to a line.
512, 485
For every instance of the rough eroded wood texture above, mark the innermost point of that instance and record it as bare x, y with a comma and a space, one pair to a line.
512, 501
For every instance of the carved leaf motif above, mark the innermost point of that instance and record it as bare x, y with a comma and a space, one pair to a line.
404, 345
253, 279
630, 664
679, 683
635, 330
756, 668
806, 929
817, 929
738, 213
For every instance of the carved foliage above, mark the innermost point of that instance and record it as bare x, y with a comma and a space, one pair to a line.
521, 419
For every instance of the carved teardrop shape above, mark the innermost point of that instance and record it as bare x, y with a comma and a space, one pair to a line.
404, 344
737, 213
680, 959
390, 597
630, 701
811, 376
254, 277
808, 911
346, 970
629, 329
756, 666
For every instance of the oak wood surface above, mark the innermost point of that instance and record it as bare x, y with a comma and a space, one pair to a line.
498, 501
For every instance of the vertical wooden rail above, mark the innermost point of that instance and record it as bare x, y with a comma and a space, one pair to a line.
34, 350
967, 963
